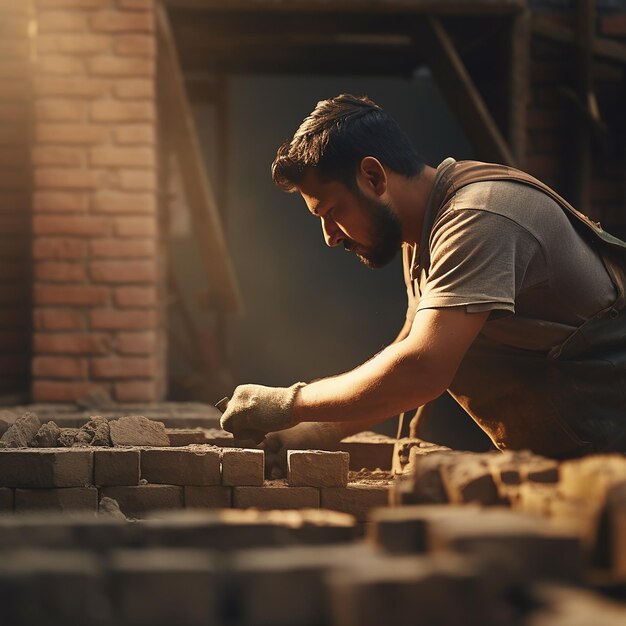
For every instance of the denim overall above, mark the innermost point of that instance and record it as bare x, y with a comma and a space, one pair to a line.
564, 402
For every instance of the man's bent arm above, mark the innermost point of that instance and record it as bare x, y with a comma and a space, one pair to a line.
403, 376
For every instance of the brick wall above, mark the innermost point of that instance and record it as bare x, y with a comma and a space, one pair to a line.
98, 325
15, 129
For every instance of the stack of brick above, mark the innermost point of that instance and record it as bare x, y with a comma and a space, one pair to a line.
95, 227
15, 201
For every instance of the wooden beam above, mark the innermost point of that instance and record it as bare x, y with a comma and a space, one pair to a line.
462, 96
431, 7
518, 84
180, 126
605, 49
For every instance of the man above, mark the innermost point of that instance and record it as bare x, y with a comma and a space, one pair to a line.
516, 301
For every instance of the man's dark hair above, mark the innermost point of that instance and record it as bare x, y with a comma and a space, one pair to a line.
336, 136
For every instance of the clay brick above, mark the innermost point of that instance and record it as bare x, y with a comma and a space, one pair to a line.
74, 86
111, 319
613, 25
138, 180
134, 89
185, 436
7, 497
79, 295
122, 66
368, 450
136, 5
71, 499
54, 391
137, 501
42, 469
276, 495
171, 578
207, 497
59, 367
137, 391
355, 499
58, 319
112, 156
14, 90
58, 248
317, 468
132, 249
60, 201
71, 225
119, 22
122, 367
72, 343
61, 21
135, 227
61, 64
72, 4
83, 134
135, 134
73, 43
71, 178
116, 467
60, 272
135, 45
57, 156
243, 467
116, 202
137, 343
590, 478
196, 465
112, 111
135, 297
469, 479
124, 272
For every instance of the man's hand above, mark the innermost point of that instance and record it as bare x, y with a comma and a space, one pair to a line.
305, 436
254, 410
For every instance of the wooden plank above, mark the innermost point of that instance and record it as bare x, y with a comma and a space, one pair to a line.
180, 126
432, 7
605, 49
518, 84
461, 94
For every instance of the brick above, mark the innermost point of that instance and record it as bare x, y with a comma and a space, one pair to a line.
208, 497
11, 68
118, 22
122, 66
116, 467
57, 391
112, 111
112, 156
58, 248
137, 343
122, 367
59, 367
138, 180
13, 113
469, 479
62, 500
72, 343
276, 495
71, 178
613, 25
57, 156
196, 465
135, 134
42, 469
61, 64
189, 577
135, 4
60, 272
71, 225
72, 4
122, 272
111, 319
58, 133
135, 45
138, 391
58, 319
74, 43
60, 201
137, 430
129, 203
368, 450
134, 89
61, 21
74, 86
7, 497
11, 136
137, 501
317, 468
14, 26
135, 227
59, 110
14, 49
79, 295
185, 436
135, 297
132, 249
243, 467
590, 478
355, 499
14, 90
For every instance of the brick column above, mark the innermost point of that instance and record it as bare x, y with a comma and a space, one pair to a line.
15, 131
95, 228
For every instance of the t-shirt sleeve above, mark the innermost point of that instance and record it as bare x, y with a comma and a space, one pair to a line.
478, 259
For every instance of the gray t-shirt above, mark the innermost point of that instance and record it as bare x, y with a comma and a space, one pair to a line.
508, 248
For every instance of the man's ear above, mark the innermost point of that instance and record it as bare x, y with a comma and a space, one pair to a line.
372, 175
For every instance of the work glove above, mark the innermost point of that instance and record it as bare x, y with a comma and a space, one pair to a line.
255, 410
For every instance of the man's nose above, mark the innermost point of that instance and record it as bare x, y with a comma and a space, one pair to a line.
333, 235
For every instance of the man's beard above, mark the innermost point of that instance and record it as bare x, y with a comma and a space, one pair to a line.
388, 233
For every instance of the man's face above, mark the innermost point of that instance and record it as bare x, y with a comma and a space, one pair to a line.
359, 220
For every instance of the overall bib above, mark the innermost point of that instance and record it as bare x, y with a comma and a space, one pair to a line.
568, 401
